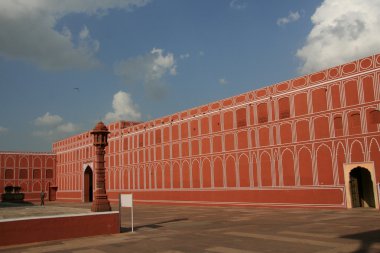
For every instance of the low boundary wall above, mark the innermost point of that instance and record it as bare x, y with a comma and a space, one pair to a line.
46, 228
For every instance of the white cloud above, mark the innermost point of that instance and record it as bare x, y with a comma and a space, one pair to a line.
341, 33
27, 31
238, 4
292, 17
67, 128
3, 129
52, 126
148, 70
124, 108
223, 81
48, 120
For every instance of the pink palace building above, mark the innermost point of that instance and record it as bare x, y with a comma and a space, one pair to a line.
313, 141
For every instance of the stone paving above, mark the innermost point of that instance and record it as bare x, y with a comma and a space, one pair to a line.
176, 229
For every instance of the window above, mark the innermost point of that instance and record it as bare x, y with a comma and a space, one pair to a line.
262, 112
49, 173
338, 126
9, 174
23, 174
36, 174
241, 119
375, 117
284, 108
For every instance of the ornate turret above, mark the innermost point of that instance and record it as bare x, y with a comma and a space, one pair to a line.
101, 203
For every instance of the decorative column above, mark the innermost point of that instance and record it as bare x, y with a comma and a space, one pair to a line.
100, 203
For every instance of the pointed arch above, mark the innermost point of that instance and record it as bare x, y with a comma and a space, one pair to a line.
167, 176
185, 174
288, 167
23, 163
356, 151
159, 176
196, 174
244, 177
37, 187
206, 173
10, 162
305, 166
37, 162
176, 175
265, 169
230, 171
340, 160
324, 165
218, 172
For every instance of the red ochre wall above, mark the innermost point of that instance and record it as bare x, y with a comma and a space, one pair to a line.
32, 171
28, 230
284, 144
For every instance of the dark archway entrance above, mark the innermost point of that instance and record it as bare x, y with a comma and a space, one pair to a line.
361, 187
87, 186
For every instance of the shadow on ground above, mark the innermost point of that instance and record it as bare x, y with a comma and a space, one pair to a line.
152, 226
366, 238
15, 204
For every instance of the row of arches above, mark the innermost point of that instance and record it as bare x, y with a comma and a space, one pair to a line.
333, 96
13, 161
28, 186
350, 122
307, 165
11, 173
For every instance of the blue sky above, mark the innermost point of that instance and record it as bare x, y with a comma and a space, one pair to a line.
66, 64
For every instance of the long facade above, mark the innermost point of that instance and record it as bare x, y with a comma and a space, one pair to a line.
313, 141
32, 171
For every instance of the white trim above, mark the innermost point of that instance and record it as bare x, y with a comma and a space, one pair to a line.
58, 216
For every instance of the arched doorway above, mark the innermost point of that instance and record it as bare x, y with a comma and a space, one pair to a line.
361, 188
87, 185
360, 185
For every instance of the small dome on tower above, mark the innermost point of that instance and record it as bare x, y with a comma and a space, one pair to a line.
100, 127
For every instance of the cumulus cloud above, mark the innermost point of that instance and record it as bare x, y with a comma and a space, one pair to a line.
27, 31
124, 108
292, 17
238, 4
341, 33
53, 126
67, 128
3, 129
48, 120
146, 68
149, 70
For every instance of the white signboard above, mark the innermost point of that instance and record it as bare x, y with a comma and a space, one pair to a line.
126, 200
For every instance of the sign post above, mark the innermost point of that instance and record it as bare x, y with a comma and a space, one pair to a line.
126, 200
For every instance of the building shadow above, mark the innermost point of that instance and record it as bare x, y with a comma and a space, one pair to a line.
15, 204
366, 238
151, 226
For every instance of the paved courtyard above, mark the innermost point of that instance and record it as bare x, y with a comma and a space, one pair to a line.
175, 229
